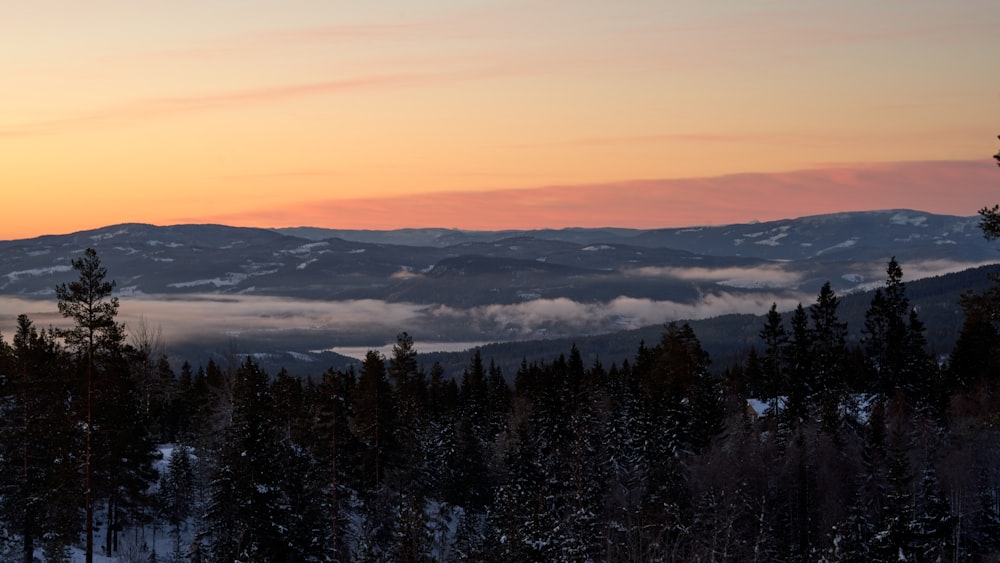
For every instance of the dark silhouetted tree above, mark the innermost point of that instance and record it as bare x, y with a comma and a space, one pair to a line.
829, 356
89, 303
38, 441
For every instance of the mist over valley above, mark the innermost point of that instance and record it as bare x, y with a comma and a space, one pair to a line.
300, 295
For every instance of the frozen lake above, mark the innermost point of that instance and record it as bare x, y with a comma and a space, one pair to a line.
359, 352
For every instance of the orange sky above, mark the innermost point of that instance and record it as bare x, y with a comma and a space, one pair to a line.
488, 114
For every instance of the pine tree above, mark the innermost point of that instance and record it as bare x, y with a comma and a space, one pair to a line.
89, 303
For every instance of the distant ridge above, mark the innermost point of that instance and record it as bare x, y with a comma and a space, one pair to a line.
287, 288
844, 248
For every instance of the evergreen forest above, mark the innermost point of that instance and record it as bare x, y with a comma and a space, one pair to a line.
810, 448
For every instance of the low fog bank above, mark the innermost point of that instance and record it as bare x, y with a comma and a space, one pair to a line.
329, 324
218, 323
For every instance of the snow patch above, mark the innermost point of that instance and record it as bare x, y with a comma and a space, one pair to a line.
301, 357
130, 290
846, 244
772, 241
106, 236
597, 248
904, 219
15, 276
305, 264
161, 243
306, 248
229, 279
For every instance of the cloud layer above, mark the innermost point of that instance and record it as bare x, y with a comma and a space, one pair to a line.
951, 187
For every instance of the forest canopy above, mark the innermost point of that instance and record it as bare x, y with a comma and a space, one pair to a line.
810, 447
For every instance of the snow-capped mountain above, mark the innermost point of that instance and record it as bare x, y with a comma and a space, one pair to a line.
288, 293
477, 268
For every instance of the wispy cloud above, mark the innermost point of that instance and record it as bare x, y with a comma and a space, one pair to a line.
401, 73
167, 106
243, 44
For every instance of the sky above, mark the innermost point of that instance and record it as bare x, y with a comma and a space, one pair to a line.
485, 114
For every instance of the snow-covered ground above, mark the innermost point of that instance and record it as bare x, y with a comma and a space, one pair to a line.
135, 545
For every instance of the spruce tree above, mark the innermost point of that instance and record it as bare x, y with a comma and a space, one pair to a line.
893, 339
179, 491
335, 449
975, 358
934, 523
38, 441
374, 421
802, 386
124, 450
829, 356
252, 513
772, 384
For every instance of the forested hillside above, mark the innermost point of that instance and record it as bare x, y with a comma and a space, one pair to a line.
811, 447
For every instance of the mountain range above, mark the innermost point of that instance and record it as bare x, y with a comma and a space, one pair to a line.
315, 289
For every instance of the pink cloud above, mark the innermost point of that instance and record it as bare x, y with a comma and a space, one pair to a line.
948, 187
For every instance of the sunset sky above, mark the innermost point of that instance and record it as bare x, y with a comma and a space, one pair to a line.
485, 114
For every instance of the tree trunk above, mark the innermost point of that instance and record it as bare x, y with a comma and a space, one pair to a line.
87, 458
